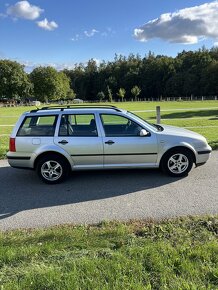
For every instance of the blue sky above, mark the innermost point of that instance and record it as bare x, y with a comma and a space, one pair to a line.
67, 32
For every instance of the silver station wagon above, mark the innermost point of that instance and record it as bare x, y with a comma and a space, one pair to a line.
56, 140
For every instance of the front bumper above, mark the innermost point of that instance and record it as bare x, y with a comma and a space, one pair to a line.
203, 155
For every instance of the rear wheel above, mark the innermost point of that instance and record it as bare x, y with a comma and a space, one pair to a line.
177, 162
52, 169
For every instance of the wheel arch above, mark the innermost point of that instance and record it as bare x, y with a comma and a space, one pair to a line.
46, 153
179, 147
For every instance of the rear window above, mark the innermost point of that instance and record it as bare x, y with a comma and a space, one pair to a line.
38, 126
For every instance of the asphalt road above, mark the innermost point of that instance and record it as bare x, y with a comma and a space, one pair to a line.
93, 196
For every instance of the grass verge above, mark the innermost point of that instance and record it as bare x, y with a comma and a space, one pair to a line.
174, 254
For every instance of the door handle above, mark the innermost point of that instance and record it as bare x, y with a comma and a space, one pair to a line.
109, 142
63, 142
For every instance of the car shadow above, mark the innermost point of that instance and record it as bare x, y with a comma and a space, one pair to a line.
22, 190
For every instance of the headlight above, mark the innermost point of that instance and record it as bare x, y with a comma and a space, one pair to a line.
200, 143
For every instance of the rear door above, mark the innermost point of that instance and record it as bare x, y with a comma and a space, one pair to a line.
79, 135
123, 146
35, 131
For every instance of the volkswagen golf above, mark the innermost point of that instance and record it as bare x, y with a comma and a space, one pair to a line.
56, 140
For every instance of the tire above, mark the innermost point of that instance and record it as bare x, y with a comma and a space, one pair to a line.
52, 169
177, 163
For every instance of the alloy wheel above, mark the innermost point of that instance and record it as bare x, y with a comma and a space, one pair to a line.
178, 163
51, 170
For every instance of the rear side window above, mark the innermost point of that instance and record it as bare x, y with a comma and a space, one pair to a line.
77, 125
38, 126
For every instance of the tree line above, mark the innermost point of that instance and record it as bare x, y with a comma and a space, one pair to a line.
190, 73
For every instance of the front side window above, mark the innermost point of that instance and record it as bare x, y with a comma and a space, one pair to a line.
119, 126
78, 125
38, 126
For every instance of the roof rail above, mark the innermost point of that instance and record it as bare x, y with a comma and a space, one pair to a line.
75, 106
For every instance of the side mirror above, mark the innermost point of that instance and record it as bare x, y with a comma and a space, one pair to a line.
143, 133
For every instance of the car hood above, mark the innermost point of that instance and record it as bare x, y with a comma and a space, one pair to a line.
177, 131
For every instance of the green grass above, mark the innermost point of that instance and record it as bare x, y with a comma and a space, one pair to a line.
199, 117
173, 254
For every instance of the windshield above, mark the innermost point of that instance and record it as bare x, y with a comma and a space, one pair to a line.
154, 126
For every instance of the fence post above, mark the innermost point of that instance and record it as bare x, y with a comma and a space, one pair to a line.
158, 114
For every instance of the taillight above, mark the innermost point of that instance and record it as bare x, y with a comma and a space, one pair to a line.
12, 145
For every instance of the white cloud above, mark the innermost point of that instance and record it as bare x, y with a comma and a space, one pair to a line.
108, 32
98, 61
215, 44
85, 34
30, 66
188, 26
76, 37
23, 9
90, 33
45, 24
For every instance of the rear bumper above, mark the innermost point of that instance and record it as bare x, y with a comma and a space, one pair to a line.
19, 160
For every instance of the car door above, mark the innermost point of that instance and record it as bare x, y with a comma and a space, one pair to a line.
123, 145
79, 135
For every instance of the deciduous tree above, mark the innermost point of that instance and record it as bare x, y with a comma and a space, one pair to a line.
121, 93
49, 84
135, 92
100, 96
14, 82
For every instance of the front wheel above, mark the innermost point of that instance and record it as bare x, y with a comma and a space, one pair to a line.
52, 169
177, 163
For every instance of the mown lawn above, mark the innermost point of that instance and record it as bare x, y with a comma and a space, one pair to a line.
174, 254
173, 113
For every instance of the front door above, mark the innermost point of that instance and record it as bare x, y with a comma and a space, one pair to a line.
79, 136
123, 146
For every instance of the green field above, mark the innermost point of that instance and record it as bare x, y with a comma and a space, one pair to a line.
199, 116
174, 254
